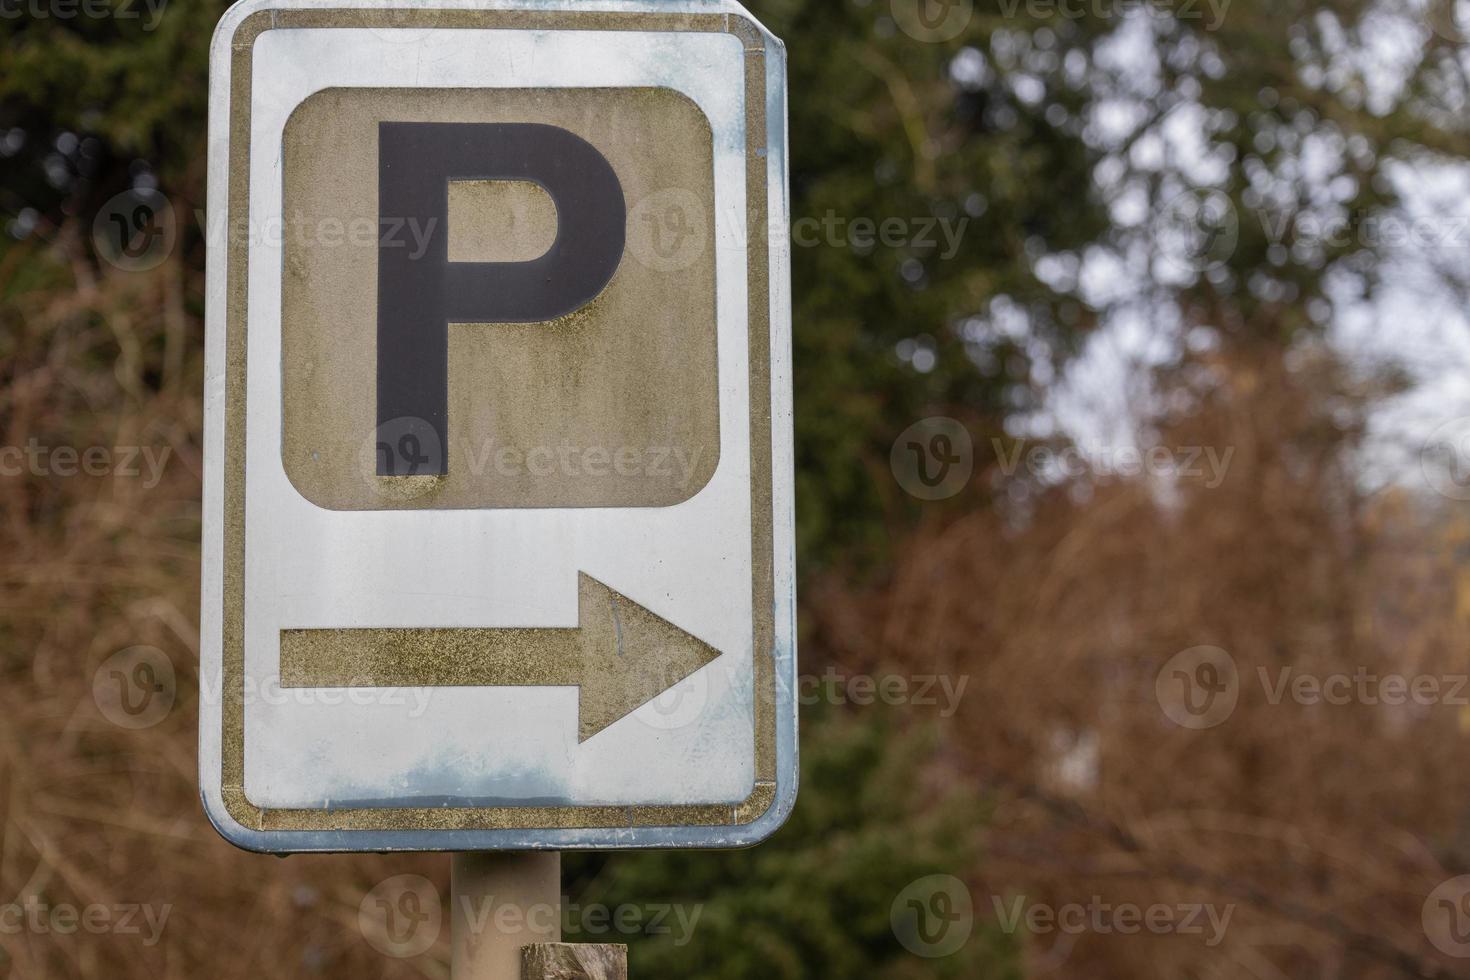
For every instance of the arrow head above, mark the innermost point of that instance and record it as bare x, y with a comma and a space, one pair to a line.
629, 656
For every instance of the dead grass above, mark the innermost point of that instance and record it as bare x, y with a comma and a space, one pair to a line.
1327, 826
93, 814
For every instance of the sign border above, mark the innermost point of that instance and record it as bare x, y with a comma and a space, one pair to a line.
451, 828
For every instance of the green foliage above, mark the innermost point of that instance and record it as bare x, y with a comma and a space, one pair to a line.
815, 900
141, 84
879, 131
999, 128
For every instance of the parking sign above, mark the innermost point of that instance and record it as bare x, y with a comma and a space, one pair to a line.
498, 506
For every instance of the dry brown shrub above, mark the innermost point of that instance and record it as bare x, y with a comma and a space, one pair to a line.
1325, 826
94, 814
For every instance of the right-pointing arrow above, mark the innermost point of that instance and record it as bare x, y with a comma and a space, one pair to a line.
620, 655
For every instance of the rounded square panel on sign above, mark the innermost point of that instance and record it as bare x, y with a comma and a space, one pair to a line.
614, 403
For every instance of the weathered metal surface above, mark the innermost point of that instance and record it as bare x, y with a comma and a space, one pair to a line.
475, 760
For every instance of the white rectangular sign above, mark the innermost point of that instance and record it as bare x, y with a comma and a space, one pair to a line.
498, 517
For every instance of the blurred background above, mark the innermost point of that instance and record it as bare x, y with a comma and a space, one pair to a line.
1133, 441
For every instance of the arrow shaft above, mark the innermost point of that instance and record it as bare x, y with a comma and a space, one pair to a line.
338, 658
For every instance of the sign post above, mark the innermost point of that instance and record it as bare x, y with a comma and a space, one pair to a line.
529, 882
498, 521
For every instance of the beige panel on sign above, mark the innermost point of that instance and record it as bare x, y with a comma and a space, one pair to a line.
500, 221
614, 405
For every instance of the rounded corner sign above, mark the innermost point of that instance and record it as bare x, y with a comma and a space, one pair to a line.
498, 518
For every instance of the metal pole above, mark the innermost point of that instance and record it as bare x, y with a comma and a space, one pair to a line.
500, 902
